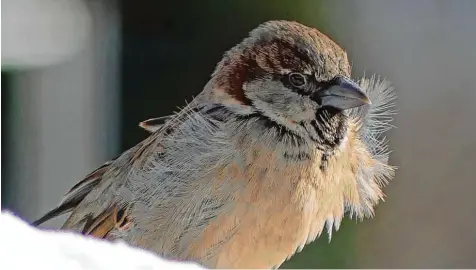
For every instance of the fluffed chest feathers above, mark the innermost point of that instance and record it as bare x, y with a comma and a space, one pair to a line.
277, 193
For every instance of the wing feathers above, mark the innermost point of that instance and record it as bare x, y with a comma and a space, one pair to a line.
75, 195
114, 217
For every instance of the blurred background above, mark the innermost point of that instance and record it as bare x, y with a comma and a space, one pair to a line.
79, 75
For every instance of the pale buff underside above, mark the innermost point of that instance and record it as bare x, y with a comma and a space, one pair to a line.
281, 210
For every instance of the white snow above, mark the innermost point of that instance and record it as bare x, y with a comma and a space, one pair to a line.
25, 247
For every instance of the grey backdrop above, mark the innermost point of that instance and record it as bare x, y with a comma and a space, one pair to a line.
65, 117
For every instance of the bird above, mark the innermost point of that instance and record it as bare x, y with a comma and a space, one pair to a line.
279, 147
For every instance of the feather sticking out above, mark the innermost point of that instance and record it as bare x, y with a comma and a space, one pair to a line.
373, 122
376, 119
154, 124
329, 226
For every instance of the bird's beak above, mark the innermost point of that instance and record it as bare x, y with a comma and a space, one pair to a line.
342, 93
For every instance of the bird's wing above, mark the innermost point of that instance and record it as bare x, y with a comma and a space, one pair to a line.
100, 222
114, 217
75, 195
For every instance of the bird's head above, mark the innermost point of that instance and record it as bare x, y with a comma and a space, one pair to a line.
292, 74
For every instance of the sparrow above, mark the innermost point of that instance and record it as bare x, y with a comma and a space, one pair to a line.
279, 146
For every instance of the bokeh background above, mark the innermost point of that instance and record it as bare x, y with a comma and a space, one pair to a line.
79, 75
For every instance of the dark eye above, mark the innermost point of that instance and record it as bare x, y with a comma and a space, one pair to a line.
297, 80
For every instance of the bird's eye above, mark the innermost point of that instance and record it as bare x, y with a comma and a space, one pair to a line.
297, 80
